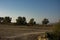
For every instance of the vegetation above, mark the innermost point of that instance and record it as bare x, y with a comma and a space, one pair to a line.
24, 20
1, 19
7, 20
55, 35
32, 22
21, 21
45, 21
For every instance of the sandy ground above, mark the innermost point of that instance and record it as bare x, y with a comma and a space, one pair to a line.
8, 31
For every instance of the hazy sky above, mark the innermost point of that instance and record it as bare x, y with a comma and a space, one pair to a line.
37, 9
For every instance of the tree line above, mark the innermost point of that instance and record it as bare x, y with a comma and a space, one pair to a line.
21, 20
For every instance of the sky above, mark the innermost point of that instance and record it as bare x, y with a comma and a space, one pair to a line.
37, 9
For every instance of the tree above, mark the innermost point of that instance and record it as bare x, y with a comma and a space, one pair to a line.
32, 22
1, 19
19, 20
7, 20
24, 20
45, 21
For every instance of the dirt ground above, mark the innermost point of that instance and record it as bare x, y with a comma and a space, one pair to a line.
16, 31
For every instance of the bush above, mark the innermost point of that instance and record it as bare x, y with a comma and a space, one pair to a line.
55, 35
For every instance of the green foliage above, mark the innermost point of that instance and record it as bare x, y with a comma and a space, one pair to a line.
56, 32
45, 21
24, 20
57, 27
7, 20
51, 36
21, 20
32, 22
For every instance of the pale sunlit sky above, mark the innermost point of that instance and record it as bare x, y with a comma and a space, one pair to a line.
37, 9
